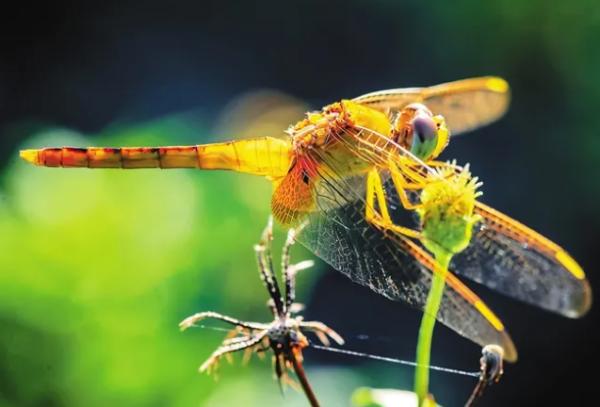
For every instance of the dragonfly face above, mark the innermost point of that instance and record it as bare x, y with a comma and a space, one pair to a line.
420, 132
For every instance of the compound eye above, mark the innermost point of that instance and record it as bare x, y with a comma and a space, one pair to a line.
425, 136
425, 128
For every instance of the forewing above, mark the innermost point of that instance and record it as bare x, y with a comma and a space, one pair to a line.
468, 104
391, 100
465, 104
260, 113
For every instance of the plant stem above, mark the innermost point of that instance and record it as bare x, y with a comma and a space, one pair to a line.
426, 330
301, 375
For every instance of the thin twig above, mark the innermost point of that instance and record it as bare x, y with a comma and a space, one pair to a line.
476, 393
299, 370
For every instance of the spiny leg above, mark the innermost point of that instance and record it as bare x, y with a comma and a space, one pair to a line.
285, 378
262, 348
285, 255
322, 331
232, 348
189, 321
265, 266
296, 308
238, 339
248, 335
231, 338
290, 283
272, 307
278, 369
290, 271
238, 330
288, 379
290, 286
283, 346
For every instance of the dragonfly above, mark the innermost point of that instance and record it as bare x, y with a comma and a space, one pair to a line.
351, 174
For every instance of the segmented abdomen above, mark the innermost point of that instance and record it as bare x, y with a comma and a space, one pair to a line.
106, 157
261, 156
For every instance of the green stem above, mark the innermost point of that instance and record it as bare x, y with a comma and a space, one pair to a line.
426, 331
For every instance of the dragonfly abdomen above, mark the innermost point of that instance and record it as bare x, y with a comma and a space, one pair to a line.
109, 157
261, 156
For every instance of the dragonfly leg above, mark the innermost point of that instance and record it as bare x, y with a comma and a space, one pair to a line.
383, 219
411, 175
416, 179
402, 185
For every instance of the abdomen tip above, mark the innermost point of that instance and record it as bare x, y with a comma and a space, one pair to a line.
31, 156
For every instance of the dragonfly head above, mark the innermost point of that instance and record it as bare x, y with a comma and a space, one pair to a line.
422, 133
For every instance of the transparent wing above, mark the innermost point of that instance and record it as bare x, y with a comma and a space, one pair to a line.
262, 112
514, 260
465, 104
336, 230
391, 99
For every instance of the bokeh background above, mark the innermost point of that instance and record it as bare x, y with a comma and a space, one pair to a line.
97, 268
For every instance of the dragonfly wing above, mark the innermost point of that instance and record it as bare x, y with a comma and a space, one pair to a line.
470, 103
263, 112
336, 230
465, 104
514, 260
391, 100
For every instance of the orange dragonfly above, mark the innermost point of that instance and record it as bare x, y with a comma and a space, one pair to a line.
349, 172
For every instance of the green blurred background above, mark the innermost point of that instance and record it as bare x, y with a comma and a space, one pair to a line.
97, 268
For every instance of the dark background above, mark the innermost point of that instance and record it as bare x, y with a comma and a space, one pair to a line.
87, 64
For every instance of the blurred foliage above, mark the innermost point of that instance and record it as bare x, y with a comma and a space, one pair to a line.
104, 265
367, 397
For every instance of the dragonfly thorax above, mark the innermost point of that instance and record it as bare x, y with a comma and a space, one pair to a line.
337, 131
314, 131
